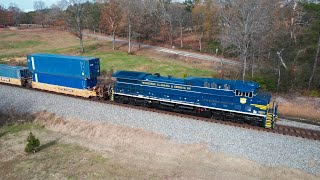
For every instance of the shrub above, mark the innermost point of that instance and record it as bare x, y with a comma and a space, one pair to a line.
131, 53
267, 83
184, 75
32, 144
111, 71
315, 93
212, 46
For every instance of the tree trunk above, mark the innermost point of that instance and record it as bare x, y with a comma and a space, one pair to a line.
244, 58
200, 44
315, 64
129, 48
244, 67
81, 40
252, 65
279, 75
139, 41
81, 44
293, 73
171, 35
113, 39
258, 59
181, 36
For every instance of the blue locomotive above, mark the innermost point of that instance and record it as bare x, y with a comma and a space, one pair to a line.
215, 98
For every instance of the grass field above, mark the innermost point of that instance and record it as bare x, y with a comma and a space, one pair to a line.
17, 44
55, 160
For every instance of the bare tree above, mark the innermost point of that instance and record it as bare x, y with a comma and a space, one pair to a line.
166, 14
112, 14
39, 6
130, 9
281, 62
170, 22
244, 21
14, 14
315, 64
181, 15
198, 19
293, 69
74, 19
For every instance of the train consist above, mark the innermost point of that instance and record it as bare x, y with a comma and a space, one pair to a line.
233, 100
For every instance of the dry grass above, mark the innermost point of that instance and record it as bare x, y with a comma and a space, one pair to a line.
157, 156
300, 107
75, 149
19, 43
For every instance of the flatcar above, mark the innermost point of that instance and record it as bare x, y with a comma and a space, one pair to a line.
214, 98
240, 101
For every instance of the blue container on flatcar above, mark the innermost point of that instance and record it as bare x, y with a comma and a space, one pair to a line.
15, 72
65, 81
63, 65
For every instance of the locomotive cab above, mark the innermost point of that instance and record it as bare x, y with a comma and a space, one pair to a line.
263, 105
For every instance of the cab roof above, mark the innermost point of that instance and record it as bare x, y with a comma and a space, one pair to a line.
243, 86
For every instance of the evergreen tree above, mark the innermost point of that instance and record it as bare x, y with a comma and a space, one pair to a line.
32, 144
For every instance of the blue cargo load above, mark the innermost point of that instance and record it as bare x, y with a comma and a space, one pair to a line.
15, 72
65, 81
63, 65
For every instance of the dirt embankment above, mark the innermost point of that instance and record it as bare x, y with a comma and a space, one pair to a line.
300, 107
156, 156
93, 150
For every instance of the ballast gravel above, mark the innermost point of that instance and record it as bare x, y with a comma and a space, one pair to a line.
266, 148
286, 122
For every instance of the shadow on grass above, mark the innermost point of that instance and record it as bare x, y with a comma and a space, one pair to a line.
49, 144
3, 134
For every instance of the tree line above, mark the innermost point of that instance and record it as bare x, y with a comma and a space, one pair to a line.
277, 41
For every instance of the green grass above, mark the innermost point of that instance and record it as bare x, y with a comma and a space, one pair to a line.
117, 60
68, 161
21, 44
110, 60
7, 35
15, 128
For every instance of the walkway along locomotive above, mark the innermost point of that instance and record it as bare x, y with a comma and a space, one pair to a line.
233, 100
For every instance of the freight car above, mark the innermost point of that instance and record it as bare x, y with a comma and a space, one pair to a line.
15, 75
214, 98
73, 75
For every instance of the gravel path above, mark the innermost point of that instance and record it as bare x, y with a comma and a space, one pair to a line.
267, 148
171, 51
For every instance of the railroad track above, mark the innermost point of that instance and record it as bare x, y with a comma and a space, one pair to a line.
279, 129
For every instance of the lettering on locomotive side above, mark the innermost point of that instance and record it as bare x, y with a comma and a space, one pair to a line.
149, 83
182, 87
166, 85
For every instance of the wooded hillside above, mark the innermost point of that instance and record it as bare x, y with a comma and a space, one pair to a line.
277, 41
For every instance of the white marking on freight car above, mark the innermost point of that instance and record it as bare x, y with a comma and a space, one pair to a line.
33, 65
36, 76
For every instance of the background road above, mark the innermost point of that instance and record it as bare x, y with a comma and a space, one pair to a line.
170, 51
